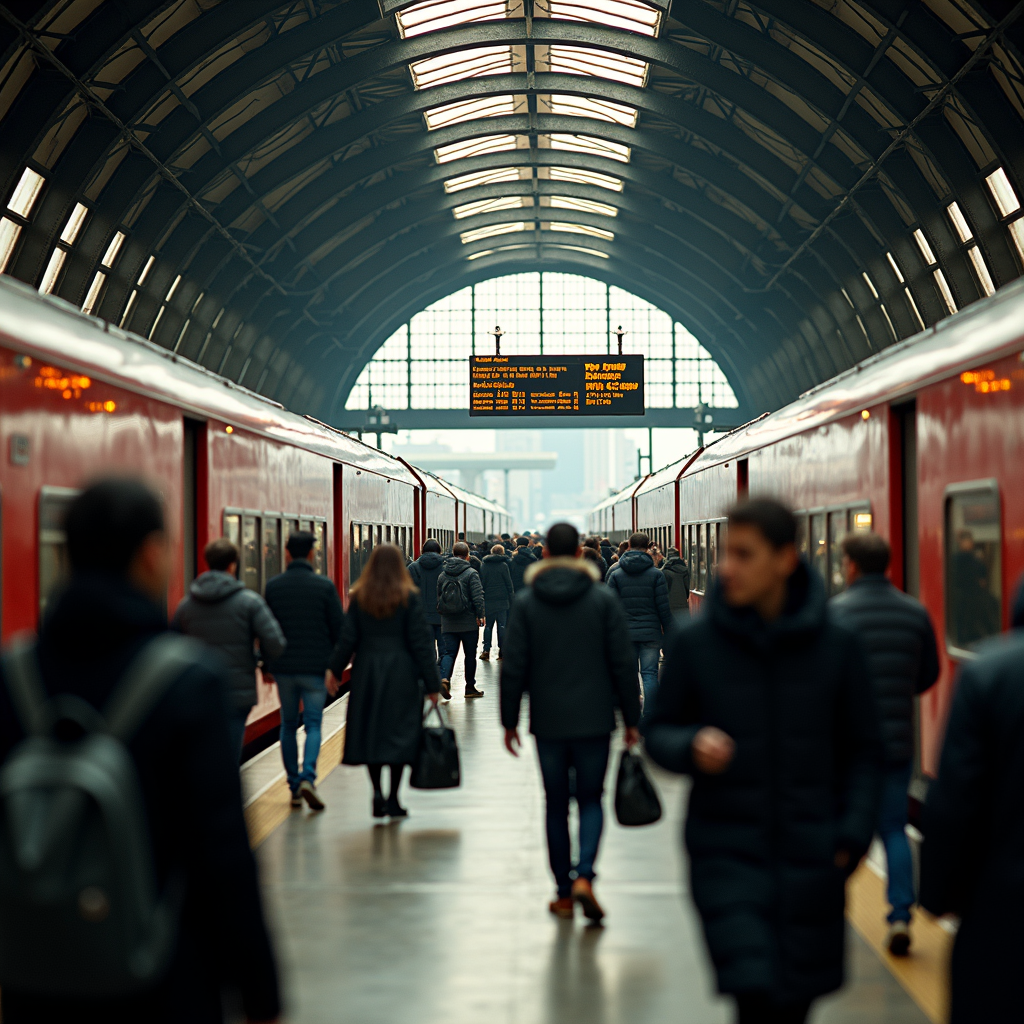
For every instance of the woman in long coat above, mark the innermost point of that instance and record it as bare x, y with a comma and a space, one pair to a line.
388, 641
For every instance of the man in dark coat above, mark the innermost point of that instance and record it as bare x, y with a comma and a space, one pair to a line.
521, 561
462, 614
424, 572
677, 579
223, 612
498, 593
900, 643
186, 764
607, 550
972, 859
567, 644
309, 610
767, 704
644, 595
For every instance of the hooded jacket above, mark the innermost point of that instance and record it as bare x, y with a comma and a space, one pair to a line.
795, 695
497, 583
472, 592
424, 572
566, 643
677, 579
223, 612
521, 561
644, 595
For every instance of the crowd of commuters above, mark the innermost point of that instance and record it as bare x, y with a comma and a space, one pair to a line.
792, 714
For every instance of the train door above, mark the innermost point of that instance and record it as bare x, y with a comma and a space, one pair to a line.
907, 418
193, 497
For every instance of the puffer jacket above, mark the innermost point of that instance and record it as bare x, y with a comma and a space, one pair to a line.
224, 613
309, 610
424, 572
897, 635
521, 561
644, 595
472, 593
497, 583
677, 578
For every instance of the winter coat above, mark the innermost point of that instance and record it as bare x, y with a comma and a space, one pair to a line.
189, 782
424, 572
474, 561
897, 635
497, 583
804, 783
677, 579
224, 613
393, 665
644, 595
566, 643
309, 610
521, 561
472, 593
972, 859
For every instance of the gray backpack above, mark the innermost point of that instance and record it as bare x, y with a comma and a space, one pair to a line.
80, 914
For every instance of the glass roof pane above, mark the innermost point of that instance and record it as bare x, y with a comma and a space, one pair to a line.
454, 67
469, 110
588, 144
580, 248
624, 14
580, 60
500, 248
432, 15
585, 178
579, 229
584, 205
492, 229
481, 178
474, 147
587, 106
490, 205
26, 192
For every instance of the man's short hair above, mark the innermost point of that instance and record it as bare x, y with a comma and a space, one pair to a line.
108, 522
774, 520
869, 552
300, 543
461, 549
640, 541
522, 542
563, 539
506, 536
593, 542
430, 545
497, 550
220, 553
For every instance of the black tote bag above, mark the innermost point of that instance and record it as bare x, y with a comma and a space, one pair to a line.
636, 799
437, 759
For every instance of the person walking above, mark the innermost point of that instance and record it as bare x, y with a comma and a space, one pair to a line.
185, 770
767, 703
424, 572
677, 579
567, 645
460, 600
521, 561
644, 595
229, 616
498, 593
309, 610
972, 859
898, 637
388, 641
593, 544
607, 550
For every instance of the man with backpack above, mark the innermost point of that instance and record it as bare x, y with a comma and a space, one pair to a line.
143, 905
460, 600
424, 572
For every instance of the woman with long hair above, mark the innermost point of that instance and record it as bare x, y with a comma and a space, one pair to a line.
388, 641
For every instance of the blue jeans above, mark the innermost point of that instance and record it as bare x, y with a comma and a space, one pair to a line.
313, 693
892, 821
590, 759
648, 652
236, 728
499, 618
450, 651
438, 642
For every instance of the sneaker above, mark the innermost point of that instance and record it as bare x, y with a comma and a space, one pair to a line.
446, 689
563, 907
898, 941
472, 691
296, 798
393, 809
308, 792
485, 655
583, 894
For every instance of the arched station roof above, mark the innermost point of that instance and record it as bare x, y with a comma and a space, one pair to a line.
271, 188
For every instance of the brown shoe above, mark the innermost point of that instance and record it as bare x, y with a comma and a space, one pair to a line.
563, 908
583, 894
446, 689
485, 655
472, 691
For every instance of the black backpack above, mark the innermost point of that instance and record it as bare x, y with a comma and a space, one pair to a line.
80, 914
451, 598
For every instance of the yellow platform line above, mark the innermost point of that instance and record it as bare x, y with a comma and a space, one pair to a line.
925, 972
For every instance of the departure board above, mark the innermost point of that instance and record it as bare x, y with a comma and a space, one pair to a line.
556, 385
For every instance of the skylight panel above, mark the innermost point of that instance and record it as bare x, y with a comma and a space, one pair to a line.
591, 145
499, 174
583, 205
580, 60
581, 177
926, 249
580, 229
491, 230
625, 14
469, 110
455, 67
433, 15
500, 248
580, 248
474, 147
74, 224
587, 106
1002, 192
491, 206
959, 221
26, 192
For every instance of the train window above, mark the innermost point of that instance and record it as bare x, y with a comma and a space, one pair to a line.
712, 552
290, 526
860, 519
702, 557
320, 548
53, 542
306, 525
271, 548
355, 546
818, 550
250, 552
692, 545
836, 533
801, 535
233, 531
974, 578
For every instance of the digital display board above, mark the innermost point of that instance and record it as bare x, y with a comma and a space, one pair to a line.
604, 385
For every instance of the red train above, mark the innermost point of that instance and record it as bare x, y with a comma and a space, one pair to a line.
922, 443
82, 398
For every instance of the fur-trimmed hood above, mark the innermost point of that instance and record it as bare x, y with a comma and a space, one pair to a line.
561, 580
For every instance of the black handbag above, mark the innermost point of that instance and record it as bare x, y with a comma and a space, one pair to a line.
636, 799
437, 758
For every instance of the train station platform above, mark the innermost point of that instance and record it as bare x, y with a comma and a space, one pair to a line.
442, 918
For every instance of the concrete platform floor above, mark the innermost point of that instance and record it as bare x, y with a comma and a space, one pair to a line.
442, 918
